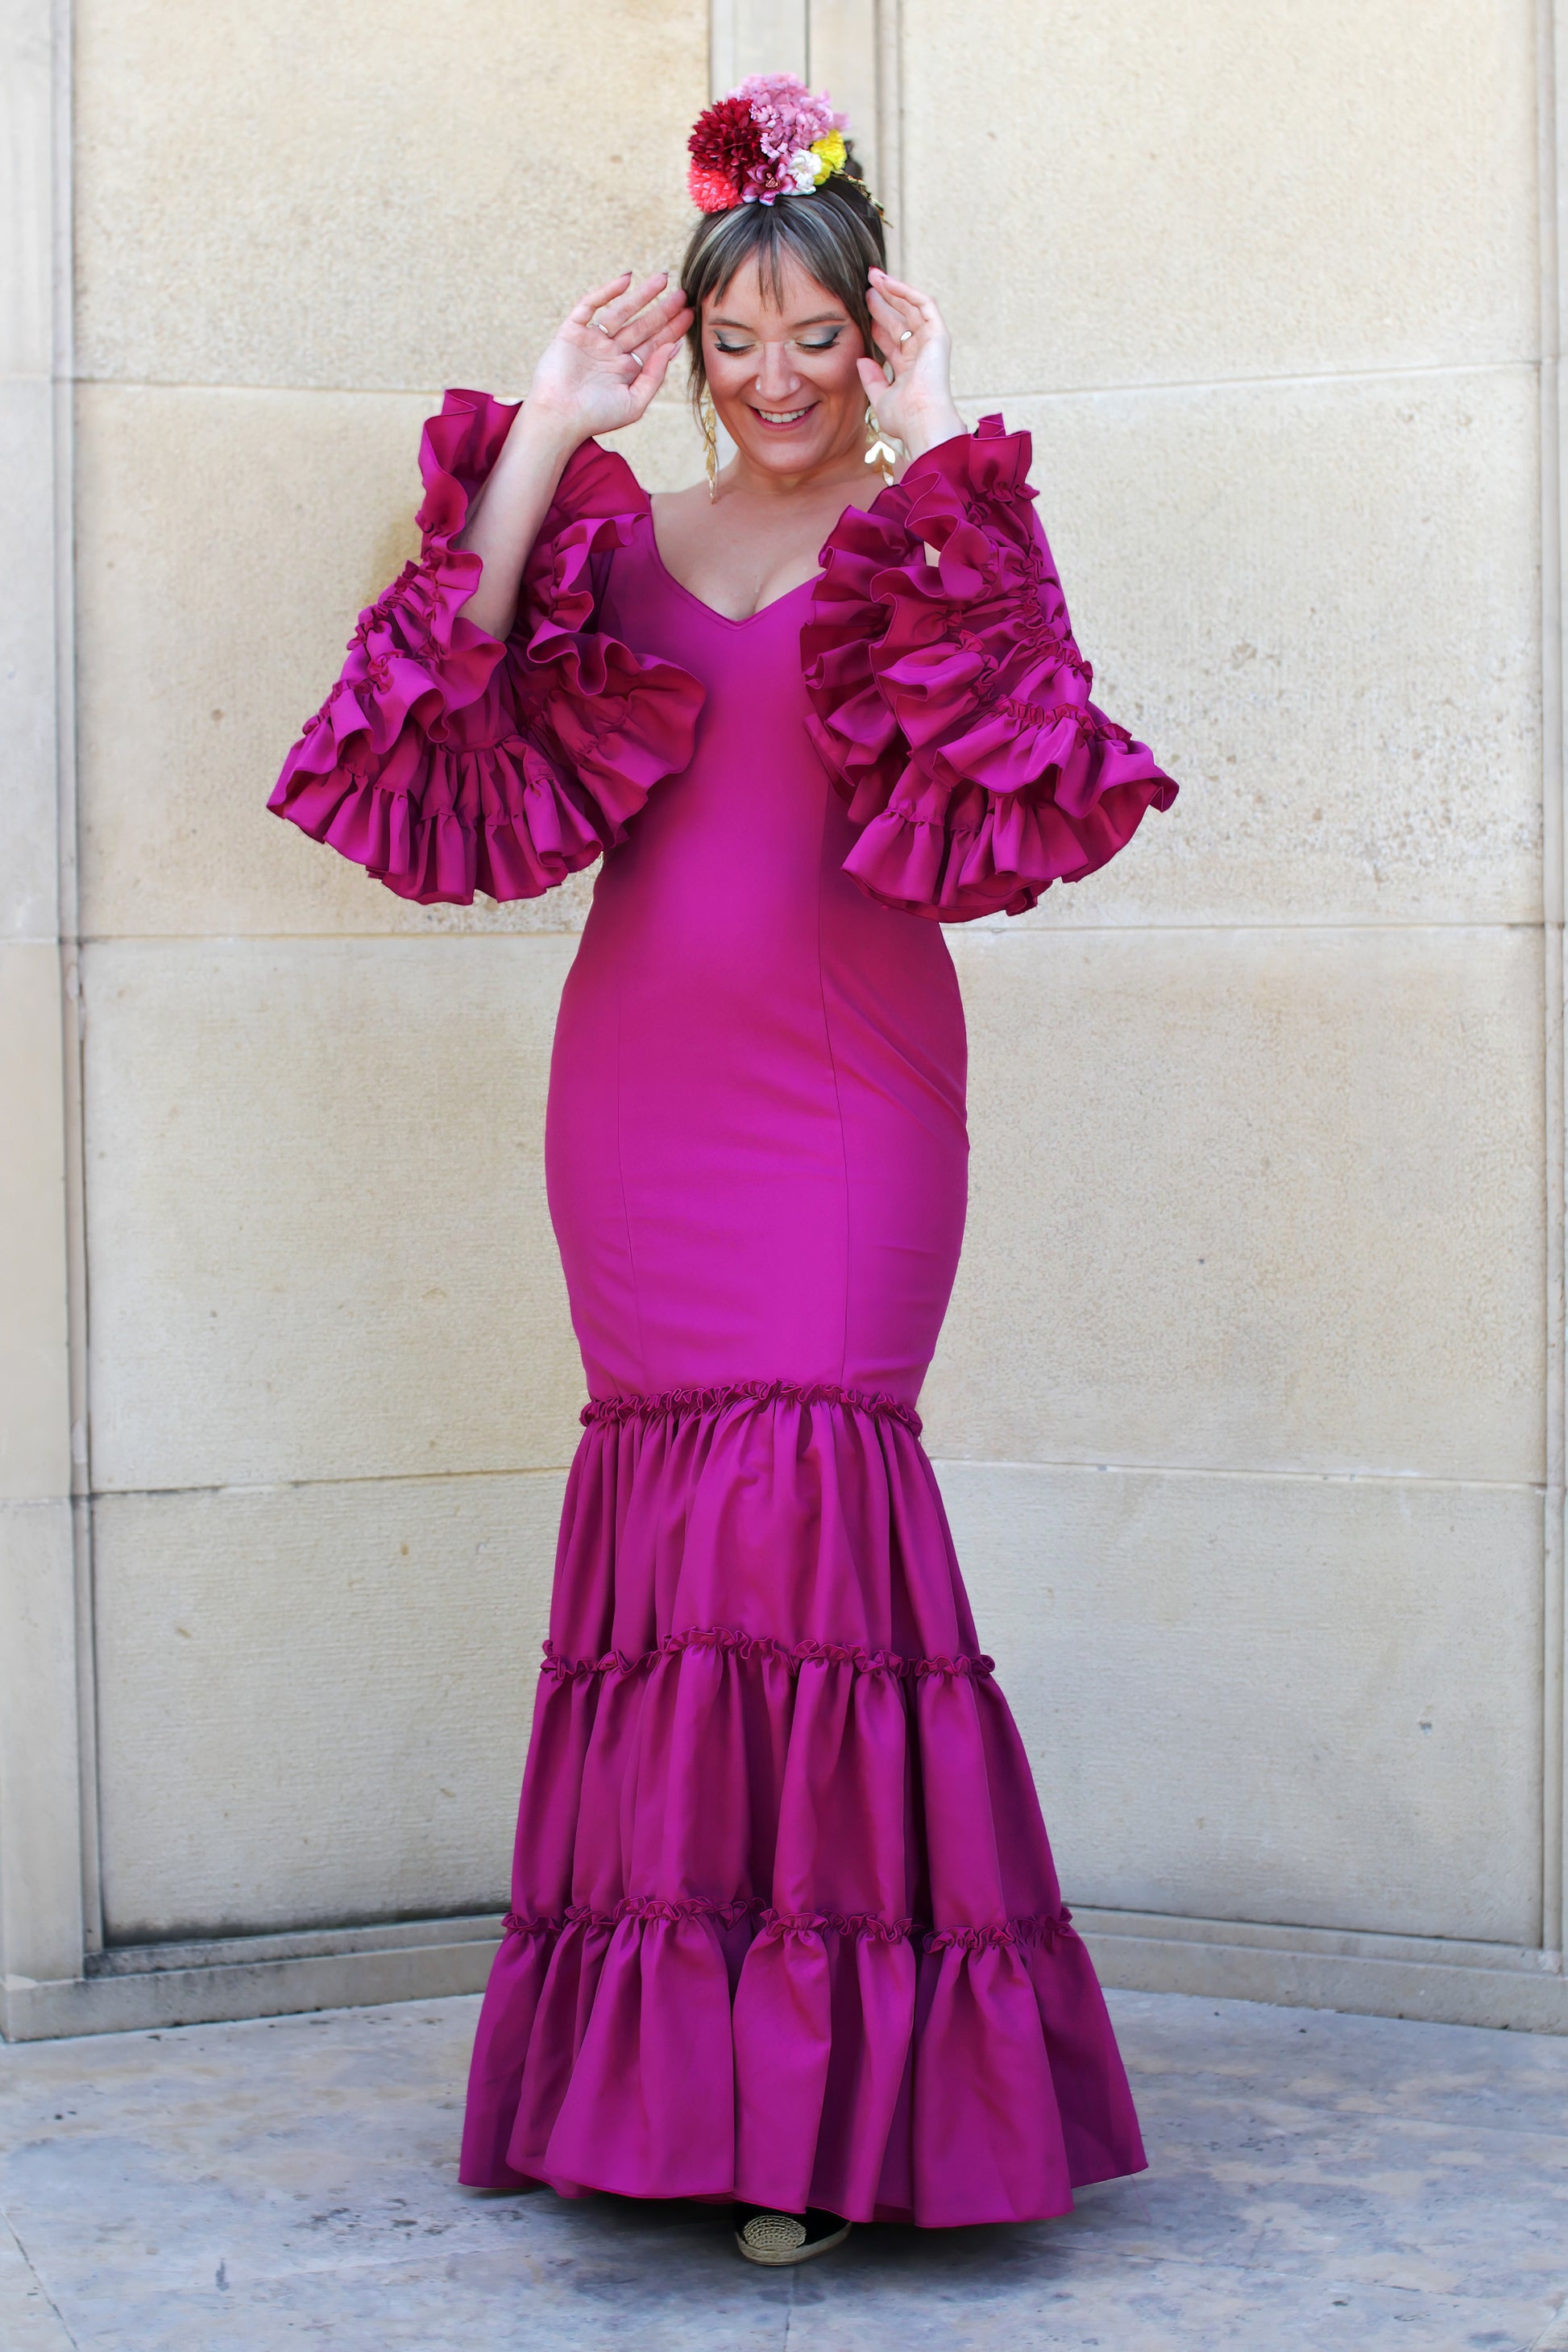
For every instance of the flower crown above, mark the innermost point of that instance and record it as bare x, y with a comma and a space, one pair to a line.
771, 137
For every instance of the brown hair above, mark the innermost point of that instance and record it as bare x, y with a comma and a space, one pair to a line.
834, 234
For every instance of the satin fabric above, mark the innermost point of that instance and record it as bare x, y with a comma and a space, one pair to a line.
755, 1147
786, 1924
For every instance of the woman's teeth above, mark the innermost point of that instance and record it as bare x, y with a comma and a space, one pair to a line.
783, 415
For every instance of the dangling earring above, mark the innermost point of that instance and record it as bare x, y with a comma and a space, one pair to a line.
707, 419
882, 451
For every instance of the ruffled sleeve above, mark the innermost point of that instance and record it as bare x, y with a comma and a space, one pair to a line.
948, 699
445, 760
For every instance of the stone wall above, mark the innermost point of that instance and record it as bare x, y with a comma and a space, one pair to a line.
1249, 1400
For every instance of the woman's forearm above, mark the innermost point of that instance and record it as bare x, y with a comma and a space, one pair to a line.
506, 518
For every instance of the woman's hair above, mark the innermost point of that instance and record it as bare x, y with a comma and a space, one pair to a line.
834, 234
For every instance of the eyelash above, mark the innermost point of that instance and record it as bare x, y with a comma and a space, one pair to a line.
737, 351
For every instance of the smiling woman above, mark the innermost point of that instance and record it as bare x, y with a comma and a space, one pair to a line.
785, 1926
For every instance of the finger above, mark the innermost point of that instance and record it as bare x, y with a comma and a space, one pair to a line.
669, 335
875, 382
617, 316
894, 320
906, 293
897, 320
921, 306
653, 375
581, 313
642, 325
891, 299
893, 339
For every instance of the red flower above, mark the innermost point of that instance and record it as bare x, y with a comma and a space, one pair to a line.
725, 145
710, 191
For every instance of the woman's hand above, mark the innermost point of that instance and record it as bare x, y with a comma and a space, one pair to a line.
599, 374
917, 407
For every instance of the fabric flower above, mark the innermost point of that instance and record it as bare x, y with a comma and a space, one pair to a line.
725, 147
771, 137
831, 155
710, 191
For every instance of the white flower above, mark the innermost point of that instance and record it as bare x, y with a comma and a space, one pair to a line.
803, 166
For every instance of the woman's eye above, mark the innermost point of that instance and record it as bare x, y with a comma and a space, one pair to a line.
730, 351
825, 343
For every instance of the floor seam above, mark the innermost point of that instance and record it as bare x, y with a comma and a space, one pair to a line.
33, 2273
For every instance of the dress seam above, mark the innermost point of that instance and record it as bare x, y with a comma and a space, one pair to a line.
733, 1641
838, 1093
626, 1205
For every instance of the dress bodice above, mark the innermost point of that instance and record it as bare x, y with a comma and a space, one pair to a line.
749, 1052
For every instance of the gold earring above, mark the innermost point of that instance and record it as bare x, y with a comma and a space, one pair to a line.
707, 419
882, 451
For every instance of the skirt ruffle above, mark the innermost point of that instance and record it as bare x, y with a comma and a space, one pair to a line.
785, 1924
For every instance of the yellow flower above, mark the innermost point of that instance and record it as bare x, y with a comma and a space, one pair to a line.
831, 154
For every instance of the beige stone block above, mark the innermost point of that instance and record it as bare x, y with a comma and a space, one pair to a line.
1120, 194
318, 1240
1261, 576
40, 1781
379, 196
1306, 1702
314, 1701
1252, 1200
1320, 604
203, 649
29, 891
35, 1389
202, 655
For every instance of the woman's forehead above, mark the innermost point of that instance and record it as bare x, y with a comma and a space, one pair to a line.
753, 294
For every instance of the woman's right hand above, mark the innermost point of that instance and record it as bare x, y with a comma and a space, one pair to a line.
596, 375
599, 373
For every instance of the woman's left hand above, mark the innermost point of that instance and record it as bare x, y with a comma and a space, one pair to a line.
917, 407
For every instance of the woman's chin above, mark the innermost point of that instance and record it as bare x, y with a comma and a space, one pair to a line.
791, 449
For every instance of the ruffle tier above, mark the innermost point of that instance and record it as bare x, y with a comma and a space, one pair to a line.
951, 702
446, 761
784, 1920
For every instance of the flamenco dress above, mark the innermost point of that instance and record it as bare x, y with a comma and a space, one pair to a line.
785, 1921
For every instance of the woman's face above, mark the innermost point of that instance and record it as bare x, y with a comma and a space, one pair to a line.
782, 373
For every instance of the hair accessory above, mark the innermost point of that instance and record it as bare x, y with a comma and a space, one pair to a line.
771, 137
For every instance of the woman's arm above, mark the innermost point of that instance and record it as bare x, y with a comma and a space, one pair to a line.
596, 375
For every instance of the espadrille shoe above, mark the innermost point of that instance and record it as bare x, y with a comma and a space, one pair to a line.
776, 2239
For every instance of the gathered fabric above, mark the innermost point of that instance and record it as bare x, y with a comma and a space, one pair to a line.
950, 701
784, 1924
785, 1921
446, 761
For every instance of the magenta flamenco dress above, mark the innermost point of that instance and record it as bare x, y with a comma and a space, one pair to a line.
784, 1922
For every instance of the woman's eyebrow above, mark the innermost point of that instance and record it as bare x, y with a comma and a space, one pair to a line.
822, 319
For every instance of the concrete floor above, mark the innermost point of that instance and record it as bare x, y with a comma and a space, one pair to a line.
1317, 2181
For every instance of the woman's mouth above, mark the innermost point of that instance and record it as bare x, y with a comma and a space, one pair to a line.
781, 420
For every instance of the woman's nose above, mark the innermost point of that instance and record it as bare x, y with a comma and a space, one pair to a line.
775, 374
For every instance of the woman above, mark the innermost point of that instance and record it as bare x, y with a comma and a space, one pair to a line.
786, 1929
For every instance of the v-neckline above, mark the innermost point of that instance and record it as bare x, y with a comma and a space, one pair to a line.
726, 620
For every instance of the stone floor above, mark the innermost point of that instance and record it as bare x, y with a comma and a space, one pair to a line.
1316, 2180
